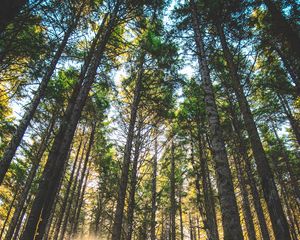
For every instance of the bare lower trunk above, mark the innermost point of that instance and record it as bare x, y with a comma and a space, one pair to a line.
282, 185
81, 181
71, 198
200, 202
162, 234
133, 183
180, 216
191, 227
117, 227
81, 200
245, 201
208, 198
153, 191
205, 207
67, 193
172, 193
18, 226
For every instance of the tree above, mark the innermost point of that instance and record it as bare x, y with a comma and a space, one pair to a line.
25, 121
227, 198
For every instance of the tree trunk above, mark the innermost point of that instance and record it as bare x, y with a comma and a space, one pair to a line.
81, 181
180, 216
282, 185
205, 207
200, 203
242, 150
198, 228
172, 193
58, 155
101, 199
191, 227
67, 193
162, 234
51, 225
230, 215
286, 159
133, 183
32, 173
52, 215
71, 199
153, 190
277, 216
20, 220
245, 200
290, 214
25, 121
8, 213
81, 199
117, 227
211, 226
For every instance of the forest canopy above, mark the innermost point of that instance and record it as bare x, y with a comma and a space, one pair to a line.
138, 119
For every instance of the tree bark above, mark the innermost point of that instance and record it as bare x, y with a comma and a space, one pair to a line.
71, 199
211, 226
200, 203
172, 193
180, 215
81, 181
20, 220
81, 200
133, 183
230, 215
277, 216
191, 227
153, 191
67, 193
162, 234
245, 200
201, 174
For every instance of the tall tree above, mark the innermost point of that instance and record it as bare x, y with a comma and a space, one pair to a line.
25, 121
48, 187
278, 218
229, 209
